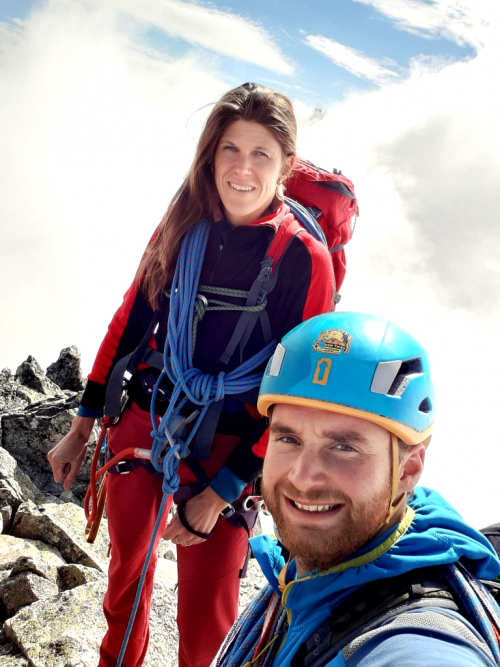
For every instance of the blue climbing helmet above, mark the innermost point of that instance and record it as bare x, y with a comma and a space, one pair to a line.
354, 364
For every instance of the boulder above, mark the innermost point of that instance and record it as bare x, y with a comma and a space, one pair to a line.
30, 374
15, 488
13, 550
10, 655
30, 435
66, 372
72, 575
19, 590
63, 630
14, 397
63, 526
67, 629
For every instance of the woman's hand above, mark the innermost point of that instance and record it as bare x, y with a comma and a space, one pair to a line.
67, 456
201, 513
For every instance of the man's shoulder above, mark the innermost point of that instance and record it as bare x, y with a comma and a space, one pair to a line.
420, 637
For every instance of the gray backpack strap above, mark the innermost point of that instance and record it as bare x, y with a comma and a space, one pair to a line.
430, 618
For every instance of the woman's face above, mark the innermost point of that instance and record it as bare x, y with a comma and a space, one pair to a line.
247, 166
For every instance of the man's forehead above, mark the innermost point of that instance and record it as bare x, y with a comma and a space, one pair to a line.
341, 434
325, 423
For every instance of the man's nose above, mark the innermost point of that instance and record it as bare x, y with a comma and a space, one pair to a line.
308, 471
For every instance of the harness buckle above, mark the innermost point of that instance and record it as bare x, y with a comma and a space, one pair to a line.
255, 503
118, 468
228, 511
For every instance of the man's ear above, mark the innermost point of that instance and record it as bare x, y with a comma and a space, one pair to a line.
411, 468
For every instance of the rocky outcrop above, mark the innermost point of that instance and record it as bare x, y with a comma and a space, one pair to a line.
66, 372
52, 582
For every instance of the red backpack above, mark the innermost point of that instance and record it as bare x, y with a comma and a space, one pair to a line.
330, 199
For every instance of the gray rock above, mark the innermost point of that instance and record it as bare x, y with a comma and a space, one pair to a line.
10, 655
66, 372
30, 435
15, 486
72, 575
12, 549
63, 630
63, 526
69, 497
167, 550
30, 374
67, 629
20, 590
14, 397
251, 585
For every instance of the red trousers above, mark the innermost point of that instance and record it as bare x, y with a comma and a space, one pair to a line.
209, 585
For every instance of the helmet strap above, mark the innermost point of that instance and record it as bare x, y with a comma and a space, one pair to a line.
393, 508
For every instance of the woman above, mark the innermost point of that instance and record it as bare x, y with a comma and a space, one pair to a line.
245, 153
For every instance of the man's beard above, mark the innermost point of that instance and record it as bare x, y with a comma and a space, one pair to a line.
320, 549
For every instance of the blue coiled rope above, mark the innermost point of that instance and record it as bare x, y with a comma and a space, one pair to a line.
200, 388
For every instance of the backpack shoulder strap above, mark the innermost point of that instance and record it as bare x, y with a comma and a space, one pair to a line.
263, 285
369, 607
127, 365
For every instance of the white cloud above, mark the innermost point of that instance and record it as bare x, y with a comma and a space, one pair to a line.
353, 61
460, 21
223, 32
96, 146
424, 158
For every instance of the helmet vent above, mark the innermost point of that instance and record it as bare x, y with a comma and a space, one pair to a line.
276, 362
425, 406
407, 370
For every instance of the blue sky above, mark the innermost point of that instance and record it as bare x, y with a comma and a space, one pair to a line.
382, 33
98, 110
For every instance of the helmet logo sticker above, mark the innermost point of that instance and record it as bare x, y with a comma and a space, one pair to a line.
333, 341
322, 371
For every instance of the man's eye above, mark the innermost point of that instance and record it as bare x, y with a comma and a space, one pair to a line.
288, 439
344, 448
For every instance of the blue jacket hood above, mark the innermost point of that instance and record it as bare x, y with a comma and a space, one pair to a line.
435, 535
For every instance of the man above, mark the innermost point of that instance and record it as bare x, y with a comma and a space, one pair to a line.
369, 562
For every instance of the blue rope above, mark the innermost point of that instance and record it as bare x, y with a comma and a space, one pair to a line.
190, 384
477, 601
245, 634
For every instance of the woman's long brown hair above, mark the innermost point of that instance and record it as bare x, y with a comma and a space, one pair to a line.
191, 203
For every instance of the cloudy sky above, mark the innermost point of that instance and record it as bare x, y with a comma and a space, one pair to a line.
100, 108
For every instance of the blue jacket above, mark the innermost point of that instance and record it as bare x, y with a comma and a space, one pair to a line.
434, 535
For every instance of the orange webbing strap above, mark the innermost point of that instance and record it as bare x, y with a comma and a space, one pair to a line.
92, 527
95, 500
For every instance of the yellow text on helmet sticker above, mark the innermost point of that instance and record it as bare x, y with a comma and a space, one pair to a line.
333, 341
322, 371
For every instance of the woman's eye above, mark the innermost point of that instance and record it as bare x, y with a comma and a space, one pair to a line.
261, 154
228, 148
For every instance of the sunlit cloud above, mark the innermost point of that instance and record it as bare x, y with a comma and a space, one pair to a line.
460, 21
221, 31
352, 60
